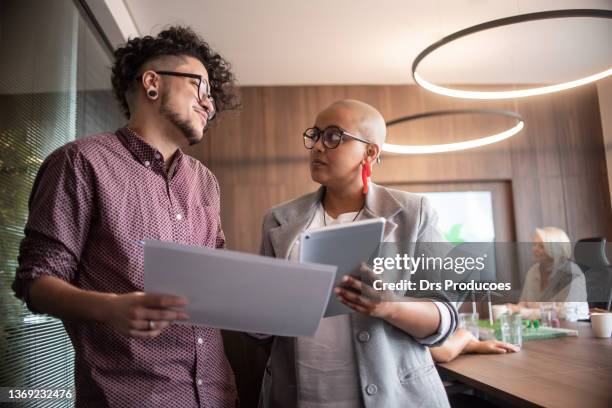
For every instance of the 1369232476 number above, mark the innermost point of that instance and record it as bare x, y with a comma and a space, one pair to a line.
8, 394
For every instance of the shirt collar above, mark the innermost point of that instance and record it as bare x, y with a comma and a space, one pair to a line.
146, 154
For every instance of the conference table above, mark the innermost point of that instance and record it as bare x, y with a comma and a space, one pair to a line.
560, 372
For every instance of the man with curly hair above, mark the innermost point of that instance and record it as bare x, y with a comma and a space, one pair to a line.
93, 202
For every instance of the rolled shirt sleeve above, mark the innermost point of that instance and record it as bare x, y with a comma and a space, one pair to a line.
60, 209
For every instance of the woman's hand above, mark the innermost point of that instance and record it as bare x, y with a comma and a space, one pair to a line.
360, 296
490, 347
418, 318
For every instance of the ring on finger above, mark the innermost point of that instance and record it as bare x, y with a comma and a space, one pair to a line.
151, 325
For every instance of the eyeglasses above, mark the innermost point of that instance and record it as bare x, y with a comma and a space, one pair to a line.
202, 85
331, 136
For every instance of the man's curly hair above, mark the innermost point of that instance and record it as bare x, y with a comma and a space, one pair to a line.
174, 41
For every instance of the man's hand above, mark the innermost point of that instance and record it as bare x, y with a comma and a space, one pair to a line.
134, 314
144, 316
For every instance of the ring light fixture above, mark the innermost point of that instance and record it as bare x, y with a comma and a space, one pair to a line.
467, 94
452, 147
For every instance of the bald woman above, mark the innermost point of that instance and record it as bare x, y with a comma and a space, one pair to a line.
377, 356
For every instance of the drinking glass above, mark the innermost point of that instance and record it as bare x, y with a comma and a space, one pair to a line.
512, 329
469, 322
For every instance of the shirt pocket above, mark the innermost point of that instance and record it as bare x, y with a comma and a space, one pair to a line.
415, 373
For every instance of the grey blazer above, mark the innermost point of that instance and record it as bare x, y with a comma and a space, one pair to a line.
395, 369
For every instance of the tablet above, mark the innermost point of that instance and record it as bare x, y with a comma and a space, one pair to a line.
345, 246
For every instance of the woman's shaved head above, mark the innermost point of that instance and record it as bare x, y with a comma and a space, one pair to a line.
365, 119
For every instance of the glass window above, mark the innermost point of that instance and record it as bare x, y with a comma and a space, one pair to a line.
54, 86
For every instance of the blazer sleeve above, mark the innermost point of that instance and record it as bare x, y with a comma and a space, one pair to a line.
431, 242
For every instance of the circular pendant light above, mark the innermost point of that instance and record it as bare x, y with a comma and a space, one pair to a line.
460, 93
452, 147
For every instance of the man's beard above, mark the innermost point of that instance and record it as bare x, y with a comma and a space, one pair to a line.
190, 133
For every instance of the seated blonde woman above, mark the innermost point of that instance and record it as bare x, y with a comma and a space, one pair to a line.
377, 356
553, 279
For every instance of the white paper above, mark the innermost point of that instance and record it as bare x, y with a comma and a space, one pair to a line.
237, 291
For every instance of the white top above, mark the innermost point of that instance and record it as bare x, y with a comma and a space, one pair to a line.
325, 363
577, 308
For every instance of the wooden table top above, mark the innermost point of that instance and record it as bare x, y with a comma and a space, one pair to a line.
560, 372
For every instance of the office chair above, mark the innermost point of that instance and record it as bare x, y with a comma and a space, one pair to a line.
590, 255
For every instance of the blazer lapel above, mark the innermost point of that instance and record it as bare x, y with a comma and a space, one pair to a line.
283, 236
381, 203
292, 221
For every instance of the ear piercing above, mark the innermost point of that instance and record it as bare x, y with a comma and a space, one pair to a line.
152, 93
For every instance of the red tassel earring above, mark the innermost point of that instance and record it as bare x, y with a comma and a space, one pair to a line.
366, 172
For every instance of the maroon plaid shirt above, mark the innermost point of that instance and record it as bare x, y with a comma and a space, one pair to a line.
92, 202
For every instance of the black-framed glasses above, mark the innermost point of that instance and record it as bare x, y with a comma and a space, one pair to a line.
202, 85
331, 137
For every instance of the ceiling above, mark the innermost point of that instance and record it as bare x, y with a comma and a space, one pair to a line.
290, 42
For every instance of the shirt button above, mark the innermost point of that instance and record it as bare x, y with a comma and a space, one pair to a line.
199, 381
147, 163
371, 389
179, 217
157, 156
363, 336
200, 341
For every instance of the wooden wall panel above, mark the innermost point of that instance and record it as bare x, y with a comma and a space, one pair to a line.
604, 93
556, 166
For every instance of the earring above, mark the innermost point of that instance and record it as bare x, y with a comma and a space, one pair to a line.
366, 172
152, 93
